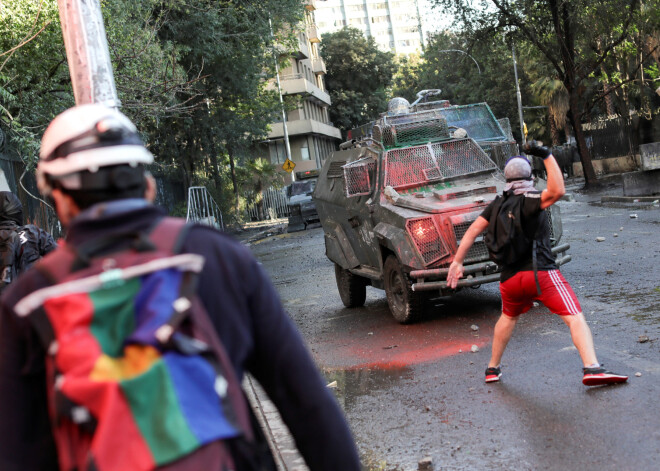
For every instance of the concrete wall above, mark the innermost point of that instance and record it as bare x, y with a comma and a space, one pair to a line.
642, 183
611, 165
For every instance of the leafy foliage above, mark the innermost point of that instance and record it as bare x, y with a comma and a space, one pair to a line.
358, 79
190, 74
582, 42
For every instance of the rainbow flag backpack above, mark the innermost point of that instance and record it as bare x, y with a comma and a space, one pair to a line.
138, 378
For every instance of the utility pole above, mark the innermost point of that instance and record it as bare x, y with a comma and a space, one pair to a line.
520, 111
87, 52
279, 90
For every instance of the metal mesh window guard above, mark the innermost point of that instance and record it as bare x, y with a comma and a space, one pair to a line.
476, 119
505, 124
427, 239
411, 117
413, 166
499, 152
412, 133
357, 176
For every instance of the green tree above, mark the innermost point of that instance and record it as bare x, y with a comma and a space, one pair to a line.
358, 79
576, 37
232, 50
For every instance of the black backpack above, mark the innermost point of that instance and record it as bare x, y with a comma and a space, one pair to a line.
10, 246
506, 239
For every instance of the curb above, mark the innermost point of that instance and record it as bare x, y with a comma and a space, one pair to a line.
280, 441
630, 199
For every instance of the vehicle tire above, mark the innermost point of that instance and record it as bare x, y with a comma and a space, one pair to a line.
352, 288
405, 304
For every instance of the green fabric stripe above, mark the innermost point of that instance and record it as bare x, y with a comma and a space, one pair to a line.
153, 402
114, 317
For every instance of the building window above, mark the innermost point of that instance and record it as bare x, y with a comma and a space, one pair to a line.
277, 152
304, 152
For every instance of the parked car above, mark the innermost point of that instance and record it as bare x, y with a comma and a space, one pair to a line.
302, 209
395, 202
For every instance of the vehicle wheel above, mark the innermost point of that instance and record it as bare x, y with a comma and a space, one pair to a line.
405, 304
352, 288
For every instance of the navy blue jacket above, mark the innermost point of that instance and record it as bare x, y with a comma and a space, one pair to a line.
244, 307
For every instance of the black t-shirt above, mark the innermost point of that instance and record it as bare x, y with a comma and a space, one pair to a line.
533, 216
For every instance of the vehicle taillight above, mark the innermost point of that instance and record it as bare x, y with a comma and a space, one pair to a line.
426, 239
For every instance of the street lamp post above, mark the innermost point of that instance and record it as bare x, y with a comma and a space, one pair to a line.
463, 52
518, 95
279, 90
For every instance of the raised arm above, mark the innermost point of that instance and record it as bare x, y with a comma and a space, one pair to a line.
555, 189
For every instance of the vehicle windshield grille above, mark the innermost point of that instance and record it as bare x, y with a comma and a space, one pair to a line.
478, 252
414, 166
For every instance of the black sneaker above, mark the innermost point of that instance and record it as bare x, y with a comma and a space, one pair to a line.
599, 376
493, 374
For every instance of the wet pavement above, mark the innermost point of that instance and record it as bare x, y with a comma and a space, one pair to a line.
417, 391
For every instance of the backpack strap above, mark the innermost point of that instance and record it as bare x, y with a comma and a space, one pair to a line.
166, 234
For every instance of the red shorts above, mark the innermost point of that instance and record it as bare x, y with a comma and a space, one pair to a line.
519, 292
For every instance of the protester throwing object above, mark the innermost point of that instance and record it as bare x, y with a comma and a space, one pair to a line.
518, 239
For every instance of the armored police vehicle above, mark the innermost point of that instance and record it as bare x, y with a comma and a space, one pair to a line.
396, 199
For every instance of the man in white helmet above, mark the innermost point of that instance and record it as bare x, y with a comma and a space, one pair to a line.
92, 165
533, 276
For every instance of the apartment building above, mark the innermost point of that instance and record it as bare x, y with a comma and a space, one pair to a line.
312, 137
395, 25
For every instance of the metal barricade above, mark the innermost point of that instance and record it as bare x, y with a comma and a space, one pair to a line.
203, 209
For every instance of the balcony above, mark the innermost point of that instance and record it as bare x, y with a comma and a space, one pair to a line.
297, 84
302, 127
303, 47
313, 34
318, 66
310, 4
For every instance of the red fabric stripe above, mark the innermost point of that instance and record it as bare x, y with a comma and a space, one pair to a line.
117, 444
80, 350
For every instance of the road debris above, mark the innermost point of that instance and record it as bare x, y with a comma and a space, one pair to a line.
332, 385
643, 339
474, 327
638, 374
425, 464
600, 239
633, 216
474, 349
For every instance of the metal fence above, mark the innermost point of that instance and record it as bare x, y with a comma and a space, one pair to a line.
611, 137
273, 205
203, 209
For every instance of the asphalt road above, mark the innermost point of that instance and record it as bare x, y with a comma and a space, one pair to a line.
417, 391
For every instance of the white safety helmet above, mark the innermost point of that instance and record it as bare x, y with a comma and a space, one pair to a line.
86, 138
398, 106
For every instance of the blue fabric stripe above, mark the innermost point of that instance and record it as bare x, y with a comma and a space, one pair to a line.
193, 379
153, 304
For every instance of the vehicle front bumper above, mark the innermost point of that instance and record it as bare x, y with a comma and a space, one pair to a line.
475, 274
